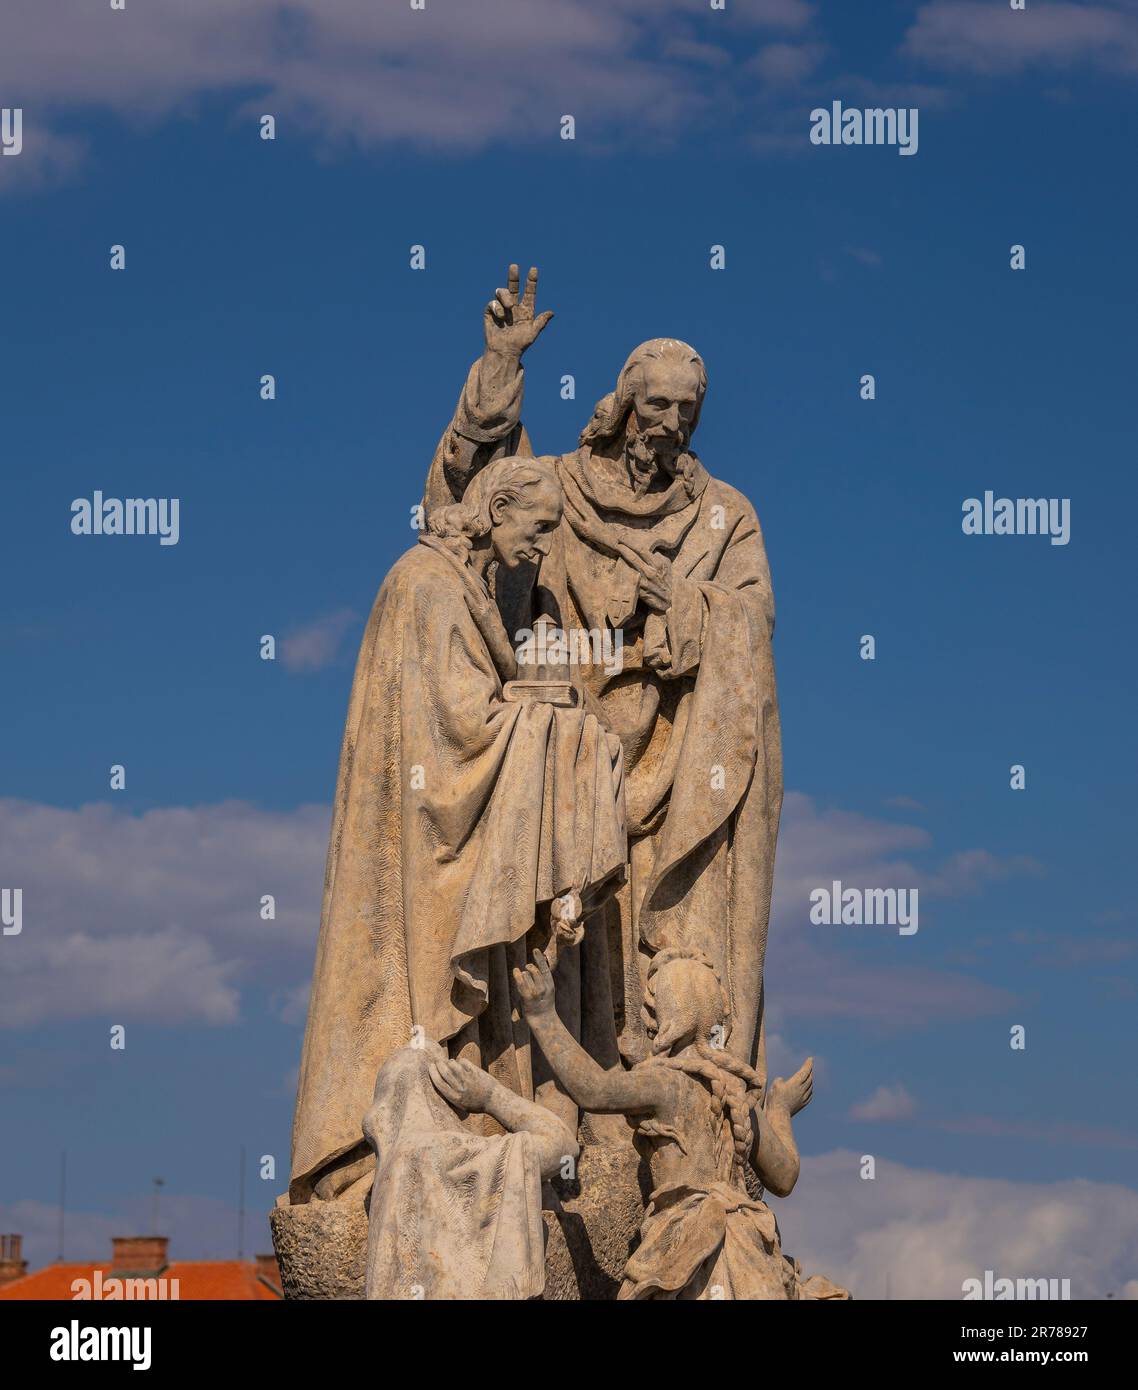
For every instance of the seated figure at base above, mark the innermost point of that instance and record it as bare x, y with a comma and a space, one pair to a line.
455, 1214
703, 1118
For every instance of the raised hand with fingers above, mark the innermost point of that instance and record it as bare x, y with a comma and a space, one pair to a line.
535, 986
462, 1083
793, 1095
510, 323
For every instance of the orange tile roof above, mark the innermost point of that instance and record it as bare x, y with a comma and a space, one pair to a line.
197, 1280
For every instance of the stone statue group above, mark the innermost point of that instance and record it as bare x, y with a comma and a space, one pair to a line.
539, 976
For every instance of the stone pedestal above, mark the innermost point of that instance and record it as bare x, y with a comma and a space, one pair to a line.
321, 1247
594, 1224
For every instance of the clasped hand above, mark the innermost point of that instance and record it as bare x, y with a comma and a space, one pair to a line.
654, 573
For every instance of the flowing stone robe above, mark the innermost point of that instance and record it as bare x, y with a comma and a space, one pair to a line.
695, 706
454, 1215
457, 814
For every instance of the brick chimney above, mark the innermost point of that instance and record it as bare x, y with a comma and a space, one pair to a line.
268, 1271
12, 1265
139, 1254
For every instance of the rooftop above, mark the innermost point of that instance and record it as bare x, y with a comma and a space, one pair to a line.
143, 1258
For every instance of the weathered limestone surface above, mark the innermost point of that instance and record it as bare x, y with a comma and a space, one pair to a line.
322, 1246
321, 1249
455, 1214
593, 1226
549, 878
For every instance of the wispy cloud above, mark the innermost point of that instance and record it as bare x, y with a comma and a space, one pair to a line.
48, 158
316, 644
787, 64
1052, 1132
925, 1232
886, 1103
1056, 952
155, 916
822, 972
454, 77
817, 845
916, 1232
977, 37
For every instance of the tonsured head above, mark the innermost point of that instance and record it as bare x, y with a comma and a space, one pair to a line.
519, 502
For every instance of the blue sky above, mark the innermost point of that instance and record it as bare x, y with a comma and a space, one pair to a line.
291, 257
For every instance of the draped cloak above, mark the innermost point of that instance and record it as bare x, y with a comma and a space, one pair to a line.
696, 710
453, 1214
695, 704
457, 813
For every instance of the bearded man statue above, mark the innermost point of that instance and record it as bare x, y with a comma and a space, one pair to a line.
670, 561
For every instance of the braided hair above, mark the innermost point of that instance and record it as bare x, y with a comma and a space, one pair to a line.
735, 1088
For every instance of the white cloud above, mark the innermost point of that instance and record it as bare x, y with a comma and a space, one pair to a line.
865, 255
1047, 1131
454, 76
929, 1231
155, 916
925, 1231
47, 158
787, 64
966, 872
818, 971
168, 975
707, 55
316, 644
455, 73
991, 39
291, 1005
812, 839
886, 1103
817, 846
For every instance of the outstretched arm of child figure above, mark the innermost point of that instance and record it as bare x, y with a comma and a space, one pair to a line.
644, 1090
774, 1154
471, 1088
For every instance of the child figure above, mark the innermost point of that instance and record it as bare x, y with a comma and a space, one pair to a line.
703, 1117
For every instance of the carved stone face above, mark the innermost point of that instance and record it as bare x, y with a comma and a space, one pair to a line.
665, 399
524, 530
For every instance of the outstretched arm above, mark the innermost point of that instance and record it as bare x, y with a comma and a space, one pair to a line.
486, 422
774, 1154
471, 1088
644, 1090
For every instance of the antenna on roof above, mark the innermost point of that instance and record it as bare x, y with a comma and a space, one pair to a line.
159, 1183
62, 1200
241, 1208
